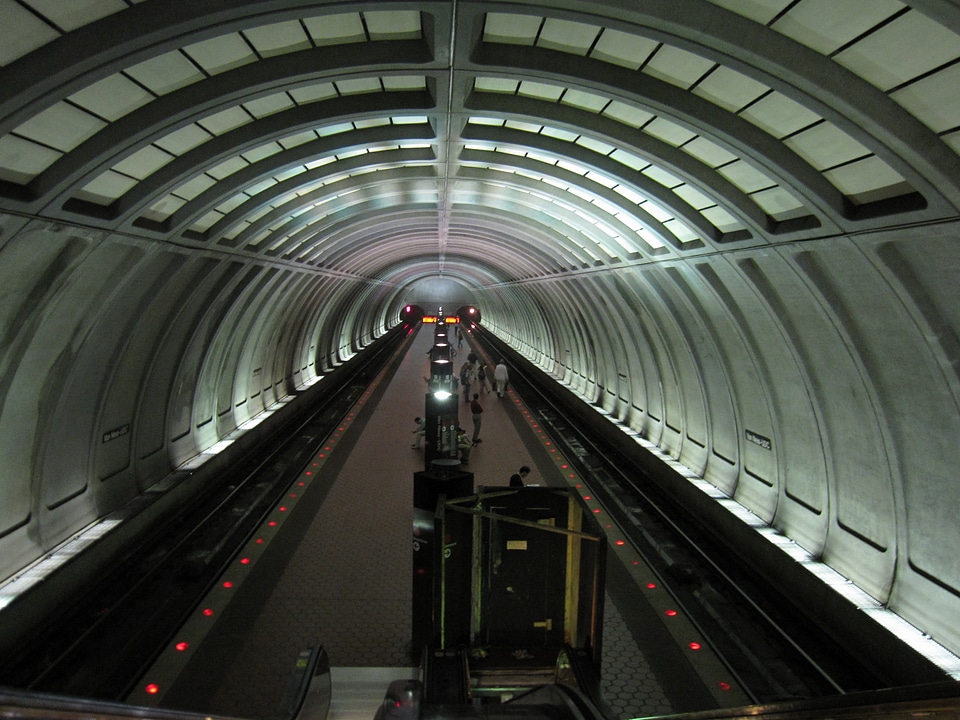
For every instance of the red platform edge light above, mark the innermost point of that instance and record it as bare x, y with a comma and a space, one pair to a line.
152, 689
208, 612
181, 646
670, 613
694, 646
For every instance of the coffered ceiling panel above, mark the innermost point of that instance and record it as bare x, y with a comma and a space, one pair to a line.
374, 137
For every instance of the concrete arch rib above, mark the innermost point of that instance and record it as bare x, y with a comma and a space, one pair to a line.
393, 164
469, 272
662, 155
726, 130
168, 114
808, 77
146, 30
104, 150
355, 254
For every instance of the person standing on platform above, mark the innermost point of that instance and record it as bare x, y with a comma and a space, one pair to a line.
516, 480
419, 432
502, 377
482, 379
523, 472
468, 373
464, 445
476, 411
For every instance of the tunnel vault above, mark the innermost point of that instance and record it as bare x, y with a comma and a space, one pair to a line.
730, 226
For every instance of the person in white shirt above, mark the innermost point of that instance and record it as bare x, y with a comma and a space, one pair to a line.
501, 376
419, 432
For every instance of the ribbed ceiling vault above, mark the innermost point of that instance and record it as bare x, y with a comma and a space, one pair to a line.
489, 141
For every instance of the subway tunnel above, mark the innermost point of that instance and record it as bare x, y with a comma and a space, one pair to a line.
730, 225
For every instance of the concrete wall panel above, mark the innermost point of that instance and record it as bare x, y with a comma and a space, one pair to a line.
35, 264
190, 292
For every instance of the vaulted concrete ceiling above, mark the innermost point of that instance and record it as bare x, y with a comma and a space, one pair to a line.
487, 141
717, 220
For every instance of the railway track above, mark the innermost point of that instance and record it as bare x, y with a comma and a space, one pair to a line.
100, 644
773, 649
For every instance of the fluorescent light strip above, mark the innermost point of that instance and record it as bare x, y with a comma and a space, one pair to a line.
231, 437
916, 639
38, 571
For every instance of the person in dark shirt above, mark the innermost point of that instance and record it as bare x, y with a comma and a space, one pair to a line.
476, 410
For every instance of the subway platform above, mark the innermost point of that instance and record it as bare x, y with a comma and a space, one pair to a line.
334, 568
